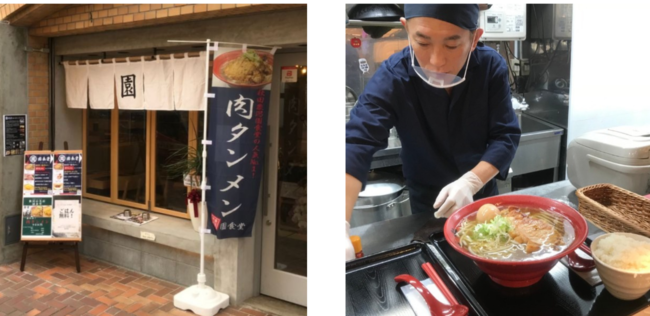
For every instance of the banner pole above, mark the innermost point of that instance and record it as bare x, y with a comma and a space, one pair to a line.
201, 298
201, 276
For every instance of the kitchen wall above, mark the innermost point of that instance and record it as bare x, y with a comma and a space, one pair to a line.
609, 74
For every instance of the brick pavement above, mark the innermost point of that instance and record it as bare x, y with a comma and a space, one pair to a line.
50, 285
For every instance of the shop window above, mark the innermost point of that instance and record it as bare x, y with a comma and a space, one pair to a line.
127, 151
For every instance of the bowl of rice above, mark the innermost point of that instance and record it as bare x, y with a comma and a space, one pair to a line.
623, 263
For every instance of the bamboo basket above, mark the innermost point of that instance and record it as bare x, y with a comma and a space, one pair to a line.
614, 209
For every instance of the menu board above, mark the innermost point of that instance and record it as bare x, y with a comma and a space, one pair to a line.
37, 216
66, 217
37, 179
15, 134
52, 195
67, 173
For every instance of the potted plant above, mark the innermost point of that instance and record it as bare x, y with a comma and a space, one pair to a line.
187, 163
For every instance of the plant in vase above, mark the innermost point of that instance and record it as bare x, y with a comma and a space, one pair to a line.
187, 163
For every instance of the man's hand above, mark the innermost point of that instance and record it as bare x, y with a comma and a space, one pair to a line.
352, 190
349, 249
457, 194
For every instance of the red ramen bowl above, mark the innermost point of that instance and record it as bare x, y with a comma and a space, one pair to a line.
517, 273
222, 59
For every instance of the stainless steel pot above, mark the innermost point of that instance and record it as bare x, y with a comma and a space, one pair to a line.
398, 207
381, 188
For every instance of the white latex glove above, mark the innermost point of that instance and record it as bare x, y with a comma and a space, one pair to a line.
457, 194
349, 249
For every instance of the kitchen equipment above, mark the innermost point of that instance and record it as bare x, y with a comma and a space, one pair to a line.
504, 22
371, 289
384, 198
622, 284
376, 12
620, 156
614, 209
381, 187
538, 150
554, 21
517, 273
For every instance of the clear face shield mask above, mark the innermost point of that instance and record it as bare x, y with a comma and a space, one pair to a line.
438, 79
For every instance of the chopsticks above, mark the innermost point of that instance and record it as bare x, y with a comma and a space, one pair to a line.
431, 273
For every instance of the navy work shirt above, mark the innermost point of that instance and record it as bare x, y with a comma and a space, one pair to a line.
443, 135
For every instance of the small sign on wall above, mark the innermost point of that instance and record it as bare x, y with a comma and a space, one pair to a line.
289, 74
15, 134
355, 42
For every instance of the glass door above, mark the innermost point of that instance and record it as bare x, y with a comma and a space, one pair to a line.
284, 244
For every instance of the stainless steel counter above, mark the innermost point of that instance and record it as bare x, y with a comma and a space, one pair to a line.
390, 234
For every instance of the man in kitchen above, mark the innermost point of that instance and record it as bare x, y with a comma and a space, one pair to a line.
448, 96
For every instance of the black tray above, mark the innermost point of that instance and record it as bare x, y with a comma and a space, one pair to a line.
371, 289
560, 292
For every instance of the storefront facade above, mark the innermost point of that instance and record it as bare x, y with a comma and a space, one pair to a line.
33, 82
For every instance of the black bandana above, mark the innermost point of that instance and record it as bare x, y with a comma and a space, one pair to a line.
462, 15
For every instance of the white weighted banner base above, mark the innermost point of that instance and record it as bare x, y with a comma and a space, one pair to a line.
201, 300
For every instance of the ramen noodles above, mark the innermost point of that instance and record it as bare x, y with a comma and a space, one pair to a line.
516, 234
248, 68
58, 166
29, 167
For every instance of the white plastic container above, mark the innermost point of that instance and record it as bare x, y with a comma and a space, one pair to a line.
620, 156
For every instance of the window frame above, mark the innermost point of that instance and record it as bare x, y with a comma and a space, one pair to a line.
150, 174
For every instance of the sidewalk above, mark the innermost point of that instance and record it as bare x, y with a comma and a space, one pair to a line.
50, 285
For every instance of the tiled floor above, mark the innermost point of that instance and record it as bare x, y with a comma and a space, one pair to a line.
51, 286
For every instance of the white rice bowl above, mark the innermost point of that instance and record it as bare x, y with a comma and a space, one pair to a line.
625, 253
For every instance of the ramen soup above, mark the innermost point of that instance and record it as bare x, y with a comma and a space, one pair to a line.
513, 233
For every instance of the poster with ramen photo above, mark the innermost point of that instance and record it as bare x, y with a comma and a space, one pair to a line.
246, 68
37, 217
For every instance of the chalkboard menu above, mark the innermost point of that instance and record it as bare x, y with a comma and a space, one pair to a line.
15, 134
52, 195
